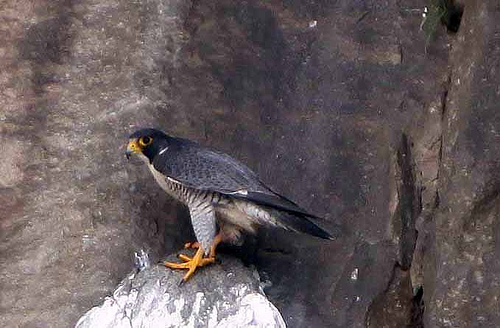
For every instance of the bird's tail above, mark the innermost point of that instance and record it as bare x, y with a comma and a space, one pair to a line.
289, 215
301, 223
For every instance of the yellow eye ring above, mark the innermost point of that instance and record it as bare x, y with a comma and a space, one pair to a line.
144, 141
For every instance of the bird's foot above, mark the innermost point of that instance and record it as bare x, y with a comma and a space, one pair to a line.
196, 245
193, 244
191, 264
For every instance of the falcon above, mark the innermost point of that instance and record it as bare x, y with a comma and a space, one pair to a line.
224, 197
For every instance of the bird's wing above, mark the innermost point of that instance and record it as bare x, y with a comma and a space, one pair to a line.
206, 169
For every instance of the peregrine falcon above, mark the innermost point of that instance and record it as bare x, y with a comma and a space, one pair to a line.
224, 197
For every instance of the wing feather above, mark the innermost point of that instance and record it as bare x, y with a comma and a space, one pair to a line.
205, 169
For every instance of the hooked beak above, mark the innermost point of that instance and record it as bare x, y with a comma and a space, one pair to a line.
132, 147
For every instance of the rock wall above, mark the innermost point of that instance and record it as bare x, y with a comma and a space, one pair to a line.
347, 107
464, 278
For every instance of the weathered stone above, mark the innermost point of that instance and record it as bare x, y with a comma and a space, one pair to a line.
73, 212
463, 269
313, 95
394, 307
224, 295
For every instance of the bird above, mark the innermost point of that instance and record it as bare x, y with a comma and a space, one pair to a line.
225, 198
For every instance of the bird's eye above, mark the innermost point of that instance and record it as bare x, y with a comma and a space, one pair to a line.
144, 141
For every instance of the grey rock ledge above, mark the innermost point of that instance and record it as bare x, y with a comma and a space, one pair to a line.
221, 295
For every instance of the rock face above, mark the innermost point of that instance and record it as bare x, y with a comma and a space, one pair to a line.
463, 271
223, 295
346, 107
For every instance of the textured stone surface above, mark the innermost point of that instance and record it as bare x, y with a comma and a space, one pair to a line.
315, 96
73, 212
223, 295
463, 271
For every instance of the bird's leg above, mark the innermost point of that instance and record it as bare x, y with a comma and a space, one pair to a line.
217, 241
191, 264
197, 260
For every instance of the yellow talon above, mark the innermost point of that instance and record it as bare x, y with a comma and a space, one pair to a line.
194, 244
173, 265
185, 258
191, 263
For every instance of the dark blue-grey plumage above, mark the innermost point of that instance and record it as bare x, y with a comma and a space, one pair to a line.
204, 169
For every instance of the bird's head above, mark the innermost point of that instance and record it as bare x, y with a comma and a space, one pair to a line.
147, 143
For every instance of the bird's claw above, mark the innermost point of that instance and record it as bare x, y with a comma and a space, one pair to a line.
185, 258
193, 244
191, 264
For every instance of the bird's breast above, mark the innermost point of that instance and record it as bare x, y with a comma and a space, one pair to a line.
176, 190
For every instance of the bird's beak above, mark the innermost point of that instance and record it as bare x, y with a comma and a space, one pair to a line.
132, 147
